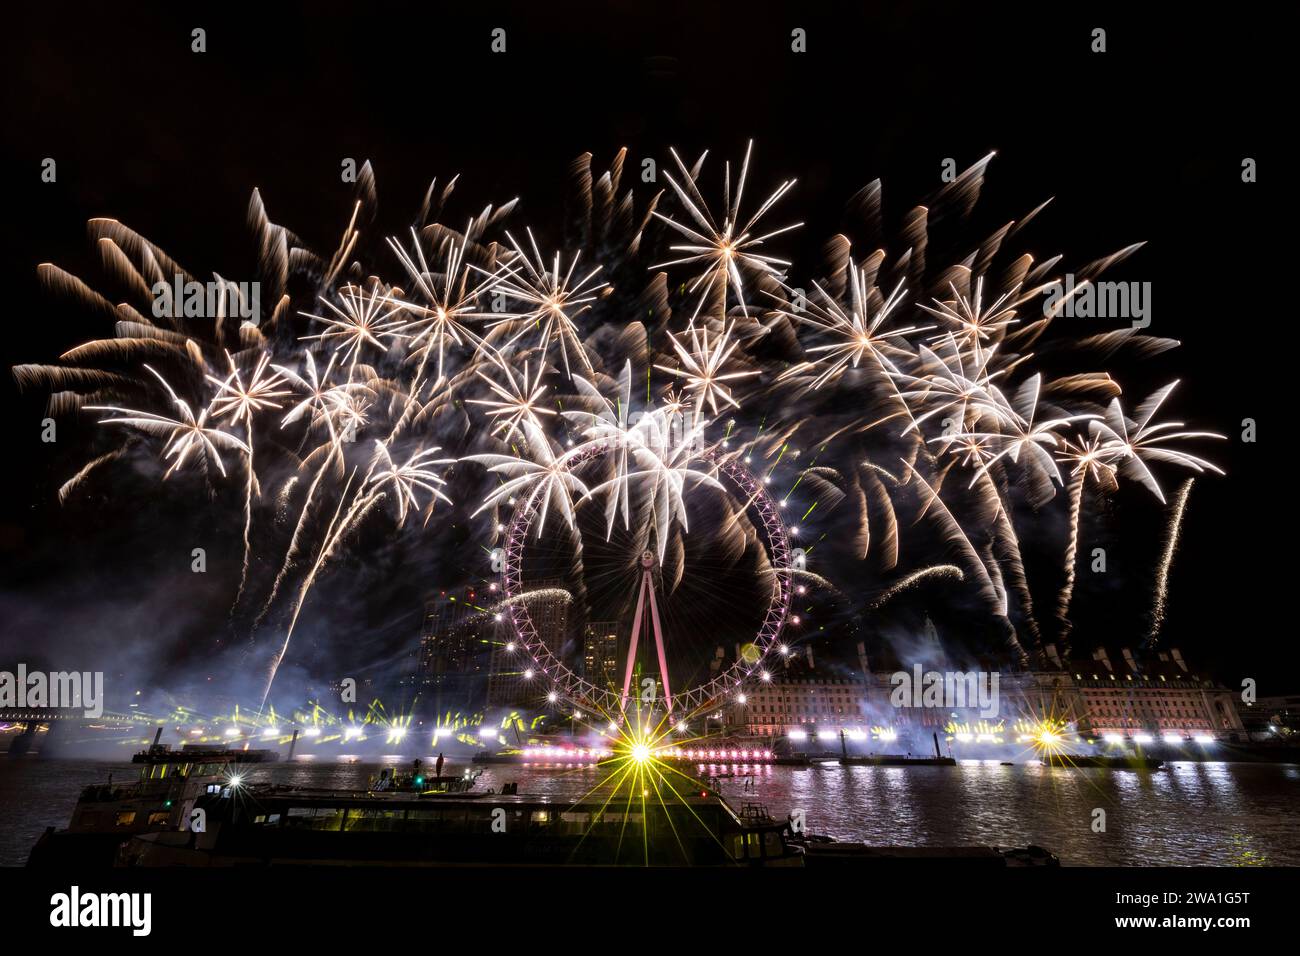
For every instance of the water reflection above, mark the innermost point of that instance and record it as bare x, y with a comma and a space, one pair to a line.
1183, 814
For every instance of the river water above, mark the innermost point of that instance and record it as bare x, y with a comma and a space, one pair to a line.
1188, 814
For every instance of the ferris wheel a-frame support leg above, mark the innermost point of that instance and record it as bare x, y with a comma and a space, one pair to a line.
647, 590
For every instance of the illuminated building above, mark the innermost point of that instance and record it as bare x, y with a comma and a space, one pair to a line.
802, 703
812, 693
1157, 695
1153, 698
600, 653
450, 649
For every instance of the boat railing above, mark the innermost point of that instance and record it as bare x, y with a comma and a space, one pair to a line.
108, 793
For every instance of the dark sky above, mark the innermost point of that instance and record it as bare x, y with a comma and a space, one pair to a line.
1144, 142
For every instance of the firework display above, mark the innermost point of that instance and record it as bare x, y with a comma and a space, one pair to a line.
460, 453
909, 383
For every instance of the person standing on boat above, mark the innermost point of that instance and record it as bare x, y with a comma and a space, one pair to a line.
437, 767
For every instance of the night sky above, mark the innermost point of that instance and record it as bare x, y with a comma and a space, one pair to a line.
1144, 142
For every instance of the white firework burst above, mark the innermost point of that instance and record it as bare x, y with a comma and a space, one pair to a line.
541, 477
364, 320
187, 435
969, 322
702, 362
1138, 440
519, 400
321, 402
855, 336
953, 383
555, 299
407, 480
723, 246
237, 400
1022, 435
449, 302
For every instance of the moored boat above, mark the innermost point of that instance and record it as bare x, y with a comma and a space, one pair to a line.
161, 798
282, 826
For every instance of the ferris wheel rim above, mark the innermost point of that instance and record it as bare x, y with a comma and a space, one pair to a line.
582, 692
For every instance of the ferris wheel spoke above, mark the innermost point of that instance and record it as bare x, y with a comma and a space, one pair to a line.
691, 700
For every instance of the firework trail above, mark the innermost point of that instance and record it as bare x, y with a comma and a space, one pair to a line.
73, 483
958, 539
1120, 445
1092, 457
1167, 560
1008, 542
332, 406
950, 571
384, 477
332, 534
292, 550
248, 527
239, 401
1070, 559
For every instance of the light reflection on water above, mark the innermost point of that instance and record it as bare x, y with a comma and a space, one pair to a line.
1184, 814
